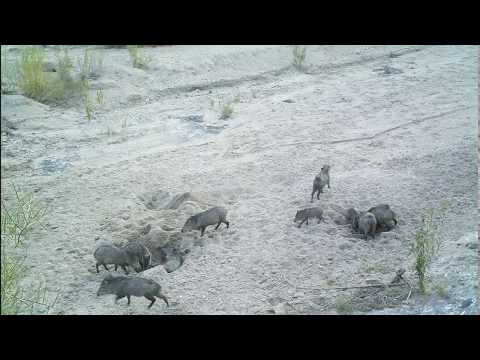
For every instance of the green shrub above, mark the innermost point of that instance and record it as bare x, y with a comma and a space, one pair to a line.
299, 55
16, 223
91, 65
32, 80
227, 111
343, 306
139, 60
426, 243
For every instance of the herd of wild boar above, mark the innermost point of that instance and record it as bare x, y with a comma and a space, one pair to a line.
137, 256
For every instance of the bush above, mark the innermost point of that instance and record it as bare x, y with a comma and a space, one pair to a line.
50, 88
32, 80
299, 55
139, 60
426, 243
16, 223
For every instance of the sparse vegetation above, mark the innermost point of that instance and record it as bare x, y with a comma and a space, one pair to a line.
16, 223
139, 59
299, 55
52, 88
91, 65
440, 289
426, 243
343, 306
227, 110
32, 80
8, 71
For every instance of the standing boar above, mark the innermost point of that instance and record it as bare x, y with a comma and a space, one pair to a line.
386, 218
215, 215
140, 252
303, 215
109, 254
122, 286
366, 224
322, 179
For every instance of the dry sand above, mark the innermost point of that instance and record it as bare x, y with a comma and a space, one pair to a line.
406, 137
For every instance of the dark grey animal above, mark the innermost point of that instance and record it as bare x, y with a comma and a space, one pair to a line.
366, 223
122, 286
215, 215
140, 252
109, 254
352, 216
322, 179
386, 218
305, 214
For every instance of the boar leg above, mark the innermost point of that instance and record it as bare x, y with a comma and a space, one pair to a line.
313, 193
218, 224
128, 298
124, 269
299, 225
118, 297
152, 299
105, 266
96, 265
203, 230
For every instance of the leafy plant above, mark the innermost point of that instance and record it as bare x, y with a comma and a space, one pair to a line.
426, 244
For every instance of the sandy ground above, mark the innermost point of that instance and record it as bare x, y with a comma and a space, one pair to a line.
406, 138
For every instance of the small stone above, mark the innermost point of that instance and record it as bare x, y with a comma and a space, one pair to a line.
59, 248
345, 246
288, 101
280, 309
466, 303
97, 237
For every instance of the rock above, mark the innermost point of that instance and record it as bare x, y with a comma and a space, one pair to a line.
57, 165
134, 98
173, 263
280, 309
472, 245
167, 228
194, 118
97, 238
345, 246
6, 124
288, 101
466, 303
